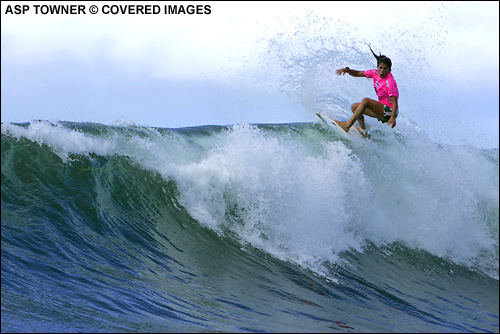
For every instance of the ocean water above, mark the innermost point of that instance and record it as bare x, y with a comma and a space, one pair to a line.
246, 228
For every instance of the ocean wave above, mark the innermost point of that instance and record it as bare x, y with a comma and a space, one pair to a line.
244, 228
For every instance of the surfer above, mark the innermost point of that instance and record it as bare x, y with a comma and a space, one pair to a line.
386, 108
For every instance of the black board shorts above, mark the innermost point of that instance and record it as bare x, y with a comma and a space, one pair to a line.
388, 114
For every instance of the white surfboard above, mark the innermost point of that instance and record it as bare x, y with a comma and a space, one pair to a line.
352, 135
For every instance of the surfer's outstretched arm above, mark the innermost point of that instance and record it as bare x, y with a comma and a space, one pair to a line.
353, 73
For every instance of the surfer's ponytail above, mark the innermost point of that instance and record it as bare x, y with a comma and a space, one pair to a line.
381, 58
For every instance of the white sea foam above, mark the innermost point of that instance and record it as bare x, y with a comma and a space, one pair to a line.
308, 206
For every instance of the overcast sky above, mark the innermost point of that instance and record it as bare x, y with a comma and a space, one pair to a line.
185, 70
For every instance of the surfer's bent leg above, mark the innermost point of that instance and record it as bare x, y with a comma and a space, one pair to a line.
357, 113
367, 107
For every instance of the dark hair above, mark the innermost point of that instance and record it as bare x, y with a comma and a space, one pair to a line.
381, 58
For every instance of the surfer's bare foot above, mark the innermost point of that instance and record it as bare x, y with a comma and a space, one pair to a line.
343, 125
363, 132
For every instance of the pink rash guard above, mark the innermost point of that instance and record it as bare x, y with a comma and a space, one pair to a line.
385, 88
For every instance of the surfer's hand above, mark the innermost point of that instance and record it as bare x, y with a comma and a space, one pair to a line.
342, 71
392, 122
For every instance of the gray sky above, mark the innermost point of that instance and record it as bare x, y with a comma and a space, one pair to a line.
186, 70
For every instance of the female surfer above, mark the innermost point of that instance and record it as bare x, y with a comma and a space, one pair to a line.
386, 108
